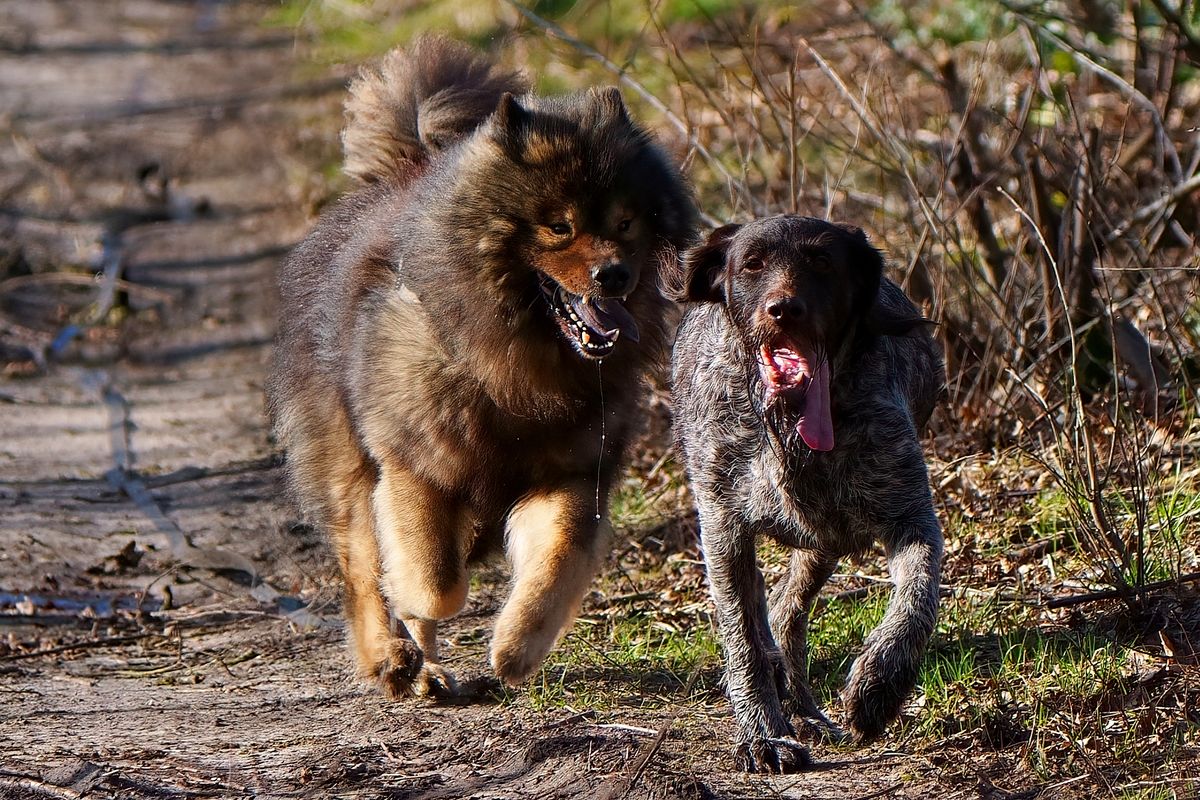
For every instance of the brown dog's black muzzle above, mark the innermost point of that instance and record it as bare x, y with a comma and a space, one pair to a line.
615, 279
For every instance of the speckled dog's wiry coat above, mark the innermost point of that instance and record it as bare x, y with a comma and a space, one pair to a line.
437, 379
801, 380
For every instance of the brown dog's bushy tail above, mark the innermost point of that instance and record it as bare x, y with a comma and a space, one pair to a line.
421, 99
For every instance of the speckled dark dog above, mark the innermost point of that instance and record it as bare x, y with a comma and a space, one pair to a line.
438, 381
801, 380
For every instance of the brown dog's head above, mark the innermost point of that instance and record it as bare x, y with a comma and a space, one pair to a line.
573, 201
798, 291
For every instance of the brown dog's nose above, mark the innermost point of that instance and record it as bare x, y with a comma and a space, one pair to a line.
786, 309
615, 279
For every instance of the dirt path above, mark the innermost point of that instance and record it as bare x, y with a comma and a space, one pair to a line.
168, 143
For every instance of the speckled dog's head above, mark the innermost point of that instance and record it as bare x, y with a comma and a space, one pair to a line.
800, 292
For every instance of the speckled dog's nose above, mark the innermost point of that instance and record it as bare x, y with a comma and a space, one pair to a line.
786, 309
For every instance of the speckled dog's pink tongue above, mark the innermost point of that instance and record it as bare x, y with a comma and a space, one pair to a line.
816, 426
788, 368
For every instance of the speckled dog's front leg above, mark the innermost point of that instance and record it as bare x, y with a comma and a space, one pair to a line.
766, 741
791, 602
886, 671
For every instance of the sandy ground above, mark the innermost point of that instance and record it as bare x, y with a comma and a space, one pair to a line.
166, 629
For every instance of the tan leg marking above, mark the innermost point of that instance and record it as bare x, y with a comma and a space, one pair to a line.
423, 541
337, 477
555, 547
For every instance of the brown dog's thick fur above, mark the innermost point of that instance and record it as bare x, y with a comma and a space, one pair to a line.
462, 348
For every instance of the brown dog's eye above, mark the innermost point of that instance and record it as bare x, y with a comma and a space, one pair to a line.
560, 228
752, 264
819, 263
623, 225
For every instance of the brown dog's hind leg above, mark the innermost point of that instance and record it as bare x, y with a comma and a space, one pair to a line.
334, 480
423, 538
554, 544
381, 646
791, 604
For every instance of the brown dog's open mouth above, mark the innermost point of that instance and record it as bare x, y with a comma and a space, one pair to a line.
798, 376
592, 324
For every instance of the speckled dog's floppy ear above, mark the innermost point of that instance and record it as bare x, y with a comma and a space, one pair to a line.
867, 263
879, 317
704, 268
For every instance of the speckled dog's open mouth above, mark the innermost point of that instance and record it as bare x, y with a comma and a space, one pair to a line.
591, 324
798, 375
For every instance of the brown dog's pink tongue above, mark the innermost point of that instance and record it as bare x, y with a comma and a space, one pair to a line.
606, 315
816, 426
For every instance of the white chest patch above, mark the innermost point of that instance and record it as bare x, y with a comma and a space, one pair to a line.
407, 295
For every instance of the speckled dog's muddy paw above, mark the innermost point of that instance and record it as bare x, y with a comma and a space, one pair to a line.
779, 756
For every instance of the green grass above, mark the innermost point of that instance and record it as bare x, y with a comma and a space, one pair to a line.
636, 661
353, 31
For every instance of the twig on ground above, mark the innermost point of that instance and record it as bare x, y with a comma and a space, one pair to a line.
107, 641
881, 792
620, 789
27, 784
201, 105
1114, 594
634, 729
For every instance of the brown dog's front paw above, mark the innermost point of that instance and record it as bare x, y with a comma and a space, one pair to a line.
398, 671
434, 680
779, 756
514, 661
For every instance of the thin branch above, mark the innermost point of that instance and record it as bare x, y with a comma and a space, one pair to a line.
1178, 192
658, 105
1190, 40
1123, 594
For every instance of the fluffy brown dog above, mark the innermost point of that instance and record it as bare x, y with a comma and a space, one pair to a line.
462, 348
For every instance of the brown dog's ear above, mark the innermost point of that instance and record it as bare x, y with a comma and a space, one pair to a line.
704, 268
509, 123
607, 107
